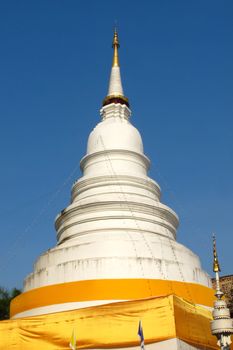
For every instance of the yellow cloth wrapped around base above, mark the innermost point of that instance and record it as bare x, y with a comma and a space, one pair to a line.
109, 290
112, 325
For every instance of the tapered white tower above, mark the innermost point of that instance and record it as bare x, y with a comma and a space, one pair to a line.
116, 240
222, 324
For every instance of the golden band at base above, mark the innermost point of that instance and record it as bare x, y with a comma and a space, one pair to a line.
110, 289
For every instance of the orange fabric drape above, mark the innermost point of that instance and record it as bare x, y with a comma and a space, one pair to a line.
110, 289
112, 325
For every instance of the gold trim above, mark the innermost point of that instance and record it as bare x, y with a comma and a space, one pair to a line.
110, 97
115, 45
216, 266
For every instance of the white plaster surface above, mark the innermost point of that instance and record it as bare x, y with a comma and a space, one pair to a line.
116, 226
115, 85
170, 344
45, 310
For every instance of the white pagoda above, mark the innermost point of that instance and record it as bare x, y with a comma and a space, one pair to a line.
116, 241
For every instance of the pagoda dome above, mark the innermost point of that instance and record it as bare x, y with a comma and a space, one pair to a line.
113, 134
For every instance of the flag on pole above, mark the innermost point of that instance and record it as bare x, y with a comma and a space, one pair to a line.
141, 336
73, 341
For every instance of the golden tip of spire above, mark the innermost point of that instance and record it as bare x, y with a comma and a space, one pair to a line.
216, 266
115, 45
115, 39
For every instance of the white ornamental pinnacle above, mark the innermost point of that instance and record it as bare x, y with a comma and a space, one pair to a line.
222, 324
115, 85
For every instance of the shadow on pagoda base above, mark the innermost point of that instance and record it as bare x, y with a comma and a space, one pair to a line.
82, 294
169, 322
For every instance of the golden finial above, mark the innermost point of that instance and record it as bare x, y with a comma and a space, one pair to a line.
216, 266
115, 45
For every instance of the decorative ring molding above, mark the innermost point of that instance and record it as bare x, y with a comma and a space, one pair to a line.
145, 160
81, 186
159, 210
168, 227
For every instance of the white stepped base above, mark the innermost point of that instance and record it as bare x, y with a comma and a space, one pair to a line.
50, 309
171, 344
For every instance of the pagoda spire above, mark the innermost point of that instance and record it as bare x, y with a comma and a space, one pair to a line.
115, 46
115, 89
222, 324
216, 269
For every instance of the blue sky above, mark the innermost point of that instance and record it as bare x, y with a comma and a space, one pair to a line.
176, 61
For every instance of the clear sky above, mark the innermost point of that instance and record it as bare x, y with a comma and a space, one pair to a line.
176, 62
